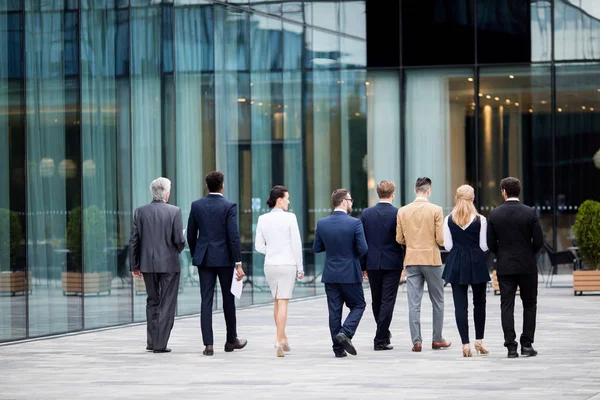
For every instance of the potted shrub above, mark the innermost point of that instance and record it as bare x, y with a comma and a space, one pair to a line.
587, 234
12, 280
92, 257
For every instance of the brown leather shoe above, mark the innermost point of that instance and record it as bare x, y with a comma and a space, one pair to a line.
417, 347
440, 345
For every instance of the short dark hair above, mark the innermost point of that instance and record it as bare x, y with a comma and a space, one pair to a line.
214, 181
512, 186
423, 184
338, 196
278, 192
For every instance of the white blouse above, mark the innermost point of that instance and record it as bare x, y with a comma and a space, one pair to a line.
278, 238
482, 232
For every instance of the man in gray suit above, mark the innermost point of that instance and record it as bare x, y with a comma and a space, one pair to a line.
155, 243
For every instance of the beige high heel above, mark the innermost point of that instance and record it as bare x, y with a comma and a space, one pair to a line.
279, 350
466, 350
480, 349
285, 345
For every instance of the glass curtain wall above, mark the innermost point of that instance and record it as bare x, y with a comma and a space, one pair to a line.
15, 281
98, 98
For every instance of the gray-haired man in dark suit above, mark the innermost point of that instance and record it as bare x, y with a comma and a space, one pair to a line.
155, 243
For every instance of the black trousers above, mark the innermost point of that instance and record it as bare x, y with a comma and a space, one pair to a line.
208, 279
353, 296
161, 306
461, 309
528, 288
384, 289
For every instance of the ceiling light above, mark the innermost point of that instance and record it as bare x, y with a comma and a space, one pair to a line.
591, 108
357, 114
497, 98
516, 104
559, 109
583, 107
480, 94
543, 101
260, 104
507, 101
511, 76
531, 110
367, 83
241, 100
470, 79
488, 97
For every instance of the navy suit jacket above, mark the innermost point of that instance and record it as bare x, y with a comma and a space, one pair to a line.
212, 232
379, 223
343, 239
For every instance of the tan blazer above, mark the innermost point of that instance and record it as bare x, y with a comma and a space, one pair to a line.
420, 226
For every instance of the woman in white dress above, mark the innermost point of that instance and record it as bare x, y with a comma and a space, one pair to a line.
278, 238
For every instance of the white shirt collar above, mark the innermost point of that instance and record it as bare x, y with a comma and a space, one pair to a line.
513, 199
385, 201
421, 198
340, 210
218, 194
276, 209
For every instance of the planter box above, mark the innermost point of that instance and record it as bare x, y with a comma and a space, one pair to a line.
14, 283
93, 283
586, 281
495, 284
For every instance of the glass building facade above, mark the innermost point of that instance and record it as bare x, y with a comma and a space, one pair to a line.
99, 97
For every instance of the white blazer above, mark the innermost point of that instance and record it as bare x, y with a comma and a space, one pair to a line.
278, 238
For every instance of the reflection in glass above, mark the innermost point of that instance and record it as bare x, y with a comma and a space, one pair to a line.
439, 128
14, 279
195, 128
383, 132
105, 229
576, 27
515, 137
53, 194
577, 143
266, 150
146, 111
353, 19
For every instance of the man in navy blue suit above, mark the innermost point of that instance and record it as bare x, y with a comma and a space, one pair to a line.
383, 262
214, 240
343, 239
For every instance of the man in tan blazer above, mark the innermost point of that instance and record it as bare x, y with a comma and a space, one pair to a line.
419, 226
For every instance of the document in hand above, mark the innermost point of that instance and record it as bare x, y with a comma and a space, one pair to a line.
236, 286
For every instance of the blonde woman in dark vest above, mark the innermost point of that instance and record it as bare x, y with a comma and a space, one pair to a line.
465, 238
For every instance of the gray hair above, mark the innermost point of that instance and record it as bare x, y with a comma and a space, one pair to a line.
159, 188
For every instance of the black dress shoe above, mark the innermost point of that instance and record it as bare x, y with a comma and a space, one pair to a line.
237, 345
162, 351
512, 353
528, 351
149, 348
379, 347
346, 342
341, 355
208, 351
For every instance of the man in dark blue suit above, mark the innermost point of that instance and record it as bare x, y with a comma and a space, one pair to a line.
214, 240
343, 239
383, 262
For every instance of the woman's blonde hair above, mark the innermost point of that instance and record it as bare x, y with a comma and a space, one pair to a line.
464, 208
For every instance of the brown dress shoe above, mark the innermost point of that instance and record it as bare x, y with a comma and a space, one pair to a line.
440, 345
417, 347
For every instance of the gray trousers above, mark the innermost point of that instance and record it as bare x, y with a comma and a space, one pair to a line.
416, 276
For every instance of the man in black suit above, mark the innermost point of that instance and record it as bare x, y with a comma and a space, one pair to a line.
383, 262
514, 234
214, 241
155, 243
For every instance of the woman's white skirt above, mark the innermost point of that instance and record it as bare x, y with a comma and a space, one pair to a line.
281, 280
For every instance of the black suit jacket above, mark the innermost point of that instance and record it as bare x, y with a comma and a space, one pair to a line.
379, 223
514, 234
212, 232
156, 238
